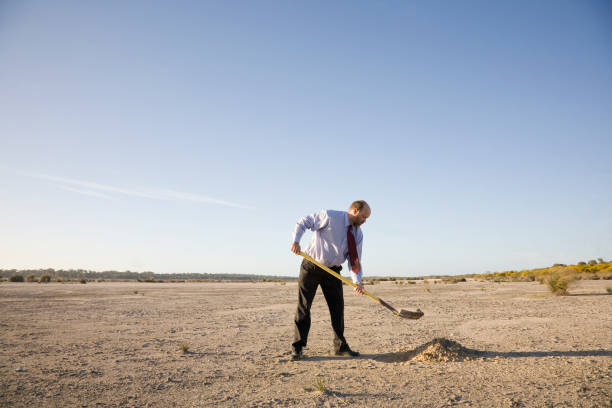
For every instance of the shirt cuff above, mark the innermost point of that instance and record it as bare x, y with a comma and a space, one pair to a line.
356, 277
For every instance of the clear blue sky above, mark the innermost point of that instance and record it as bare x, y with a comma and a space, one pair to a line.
191, 136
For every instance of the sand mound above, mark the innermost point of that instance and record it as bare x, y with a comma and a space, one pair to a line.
437, 350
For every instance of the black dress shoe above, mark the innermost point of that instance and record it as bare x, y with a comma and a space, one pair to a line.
296, 355
347, 352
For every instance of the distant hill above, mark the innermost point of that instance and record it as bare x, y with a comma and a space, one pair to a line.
593, 269
129, 275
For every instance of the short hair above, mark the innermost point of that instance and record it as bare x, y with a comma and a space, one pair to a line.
358, 205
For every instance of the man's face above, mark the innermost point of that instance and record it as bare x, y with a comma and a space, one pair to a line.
357, 218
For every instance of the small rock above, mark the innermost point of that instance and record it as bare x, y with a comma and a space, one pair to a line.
19, 369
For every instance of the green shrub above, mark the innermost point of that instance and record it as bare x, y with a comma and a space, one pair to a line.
16, 278
83, 280
558, 284
45, 279
321, 386
30, 278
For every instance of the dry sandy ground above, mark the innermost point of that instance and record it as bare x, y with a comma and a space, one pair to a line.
118, 344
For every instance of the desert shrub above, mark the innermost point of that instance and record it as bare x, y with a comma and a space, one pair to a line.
592, 262
455, 280
45, 279
600, 260
558, 284
100, 280
59, 280
595, 277
321, 386
609, 290
30, 278
16, 278
581, 263
83, 280
184, 348
411, 282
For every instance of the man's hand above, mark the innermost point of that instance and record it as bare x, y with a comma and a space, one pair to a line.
359, 288
295, 248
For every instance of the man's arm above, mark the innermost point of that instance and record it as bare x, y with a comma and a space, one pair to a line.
356, 276
312, 222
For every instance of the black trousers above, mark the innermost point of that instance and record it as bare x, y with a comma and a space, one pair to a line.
311, 276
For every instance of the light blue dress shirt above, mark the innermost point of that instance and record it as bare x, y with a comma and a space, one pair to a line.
328, 245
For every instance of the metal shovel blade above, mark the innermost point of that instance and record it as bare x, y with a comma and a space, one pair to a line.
408, 314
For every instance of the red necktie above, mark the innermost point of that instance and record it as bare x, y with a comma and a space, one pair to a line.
352, 249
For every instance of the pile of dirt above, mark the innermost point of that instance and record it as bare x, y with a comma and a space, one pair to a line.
437, 350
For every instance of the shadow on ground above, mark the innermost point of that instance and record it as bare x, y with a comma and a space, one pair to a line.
576, 353
478, 354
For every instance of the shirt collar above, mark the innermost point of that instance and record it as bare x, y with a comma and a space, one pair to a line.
347, 223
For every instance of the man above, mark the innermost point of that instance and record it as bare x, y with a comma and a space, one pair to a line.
337, 237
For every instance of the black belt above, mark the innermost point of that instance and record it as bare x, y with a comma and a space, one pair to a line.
336, 268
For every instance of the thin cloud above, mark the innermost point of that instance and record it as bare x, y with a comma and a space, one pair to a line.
151, 193
85, 192
177, 195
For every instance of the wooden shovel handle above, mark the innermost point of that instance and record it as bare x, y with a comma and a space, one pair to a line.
342, 278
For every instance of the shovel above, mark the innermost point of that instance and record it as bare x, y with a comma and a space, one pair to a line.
407, 314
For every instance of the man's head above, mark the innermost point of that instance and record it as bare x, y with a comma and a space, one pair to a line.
358, 212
